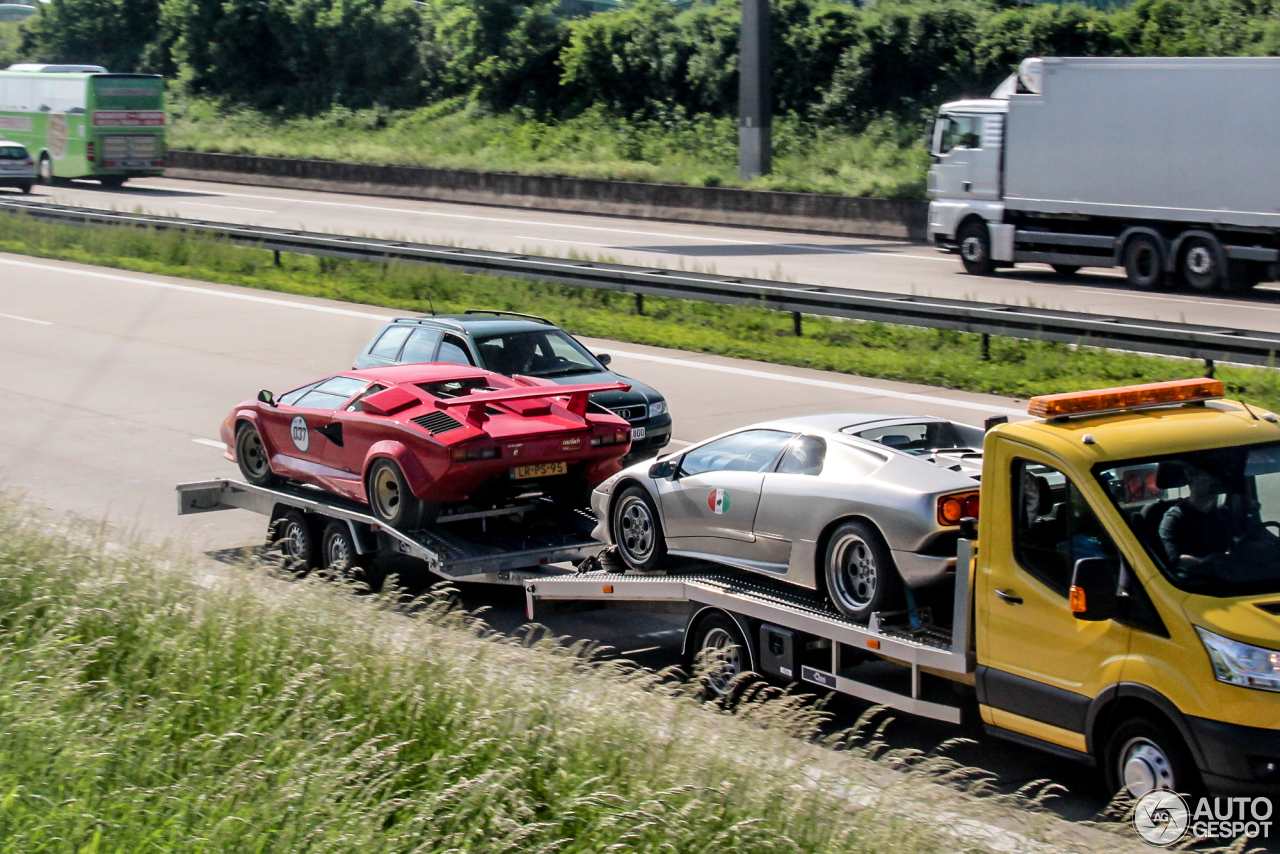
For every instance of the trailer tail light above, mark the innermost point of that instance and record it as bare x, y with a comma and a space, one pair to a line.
1079, 603
91, 152
617, 437
953, 508
1124, 397
465, 453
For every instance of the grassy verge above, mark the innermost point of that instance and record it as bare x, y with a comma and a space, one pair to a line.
147, 708
886, 160
933, 357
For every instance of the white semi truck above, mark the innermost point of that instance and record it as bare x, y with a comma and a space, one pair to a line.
1165, 166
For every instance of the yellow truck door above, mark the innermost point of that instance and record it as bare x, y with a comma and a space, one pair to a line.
1038, 666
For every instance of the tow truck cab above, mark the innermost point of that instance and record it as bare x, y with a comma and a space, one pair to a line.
1126, 586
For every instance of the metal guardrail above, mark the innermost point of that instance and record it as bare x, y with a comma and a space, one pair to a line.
1028, 322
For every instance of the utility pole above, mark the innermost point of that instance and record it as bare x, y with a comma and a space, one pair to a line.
755, 106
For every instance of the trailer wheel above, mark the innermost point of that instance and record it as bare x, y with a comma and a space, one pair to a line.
1144, 262
975, 248
393, 502
860, 574
1144, 754
721, 655
637, 530
1065, 270
295, 534
1202, 264
251, 456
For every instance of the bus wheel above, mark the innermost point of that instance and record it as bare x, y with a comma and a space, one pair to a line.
112, 182
46, 170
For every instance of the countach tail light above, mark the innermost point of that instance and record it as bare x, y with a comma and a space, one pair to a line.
616, 437
1125, 397
953, 508
470, 453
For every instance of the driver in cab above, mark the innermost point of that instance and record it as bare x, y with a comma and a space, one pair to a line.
1197, 526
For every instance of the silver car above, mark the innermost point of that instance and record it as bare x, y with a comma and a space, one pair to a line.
17, 168
852, 504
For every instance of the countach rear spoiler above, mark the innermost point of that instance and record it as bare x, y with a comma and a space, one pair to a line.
577, 394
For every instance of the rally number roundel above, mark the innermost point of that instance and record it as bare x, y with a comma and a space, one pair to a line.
299, 433
718, 501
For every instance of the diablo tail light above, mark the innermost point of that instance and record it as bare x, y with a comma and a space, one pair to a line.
961, 505
471, 453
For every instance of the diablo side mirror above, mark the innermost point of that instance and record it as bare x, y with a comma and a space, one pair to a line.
664, 470
267, 397
1094, 594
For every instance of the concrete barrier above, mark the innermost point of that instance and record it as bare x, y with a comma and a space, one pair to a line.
900, 219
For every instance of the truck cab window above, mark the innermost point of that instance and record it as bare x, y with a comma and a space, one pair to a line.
1054, 526
959, 132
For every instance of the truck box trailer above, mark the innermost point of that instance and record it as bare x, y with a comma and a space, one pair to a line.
1162, 166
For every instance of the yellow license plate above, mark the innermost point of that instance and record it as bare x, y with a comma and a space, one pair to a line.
539, 470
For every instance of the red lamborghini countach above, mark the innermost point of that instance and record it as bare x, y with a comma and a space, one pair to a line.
410, 438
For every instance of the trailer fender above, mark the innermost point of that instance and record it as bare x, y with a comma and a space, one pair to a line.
691, 628
1123, 240
409, 464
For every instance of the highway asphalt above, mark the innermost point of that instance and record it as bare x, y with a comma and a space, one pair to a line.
876, 265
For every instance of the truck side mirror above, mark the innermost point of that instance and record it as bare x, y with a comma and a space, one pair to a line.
665, 470
1094, 596
604, 359
267, 397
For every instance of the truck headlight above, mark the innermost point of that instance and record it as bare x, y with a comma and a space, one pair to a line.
656, 409
1242, 664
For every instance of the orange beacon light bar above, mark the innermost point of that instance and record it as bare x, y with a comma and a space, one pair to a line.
1125, 397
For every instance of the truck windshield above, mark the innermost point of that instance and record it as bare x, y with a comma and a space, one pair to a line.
1209, 519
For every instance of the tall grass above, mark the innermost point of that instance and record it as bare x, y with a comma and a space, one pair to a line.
886, 160
148, 706
933, 357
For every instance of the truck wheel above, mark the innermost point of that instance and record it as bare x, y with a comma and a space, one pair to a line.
1202, 264
975, 248
1144, 262
26, 188
46, 170
721, 652
296, 536
637, 531
1144, 754
860, 574
112, 182
251, 456
1243, 276
1065, 270
391, 500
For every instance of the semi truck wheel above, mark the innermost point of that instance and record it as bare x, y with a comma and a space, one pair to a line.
975, 248
1243, 276
1144, 754
296, 536
251, 456
1202, 264
391, 500
637, 531
860, 574
1144, 262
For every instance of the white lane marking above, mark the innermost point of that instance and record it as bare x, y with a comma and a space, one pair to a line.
573, 242
26, 319
440, 214
228, 207
212, 443
817, 383
346, 312
1211, 303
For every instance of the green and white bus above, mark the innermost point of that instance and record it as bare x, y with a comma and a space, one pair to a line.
78, 121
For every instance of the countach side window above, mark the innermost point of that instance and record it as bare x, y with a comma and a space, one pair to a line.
421, 346
1054, 526
331, 393
805, 455
750, 450
388, 346
354, 406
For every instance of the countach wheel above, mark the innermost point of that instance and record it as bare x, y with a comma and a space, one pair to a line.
975, 248
251, 456
637, 530
393, 502
1144, 262
721, 655
1143, 754
295, 534
1202, 264
860, 573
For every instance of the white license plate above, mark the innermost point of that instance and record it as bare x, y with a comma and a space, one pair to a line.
637, 433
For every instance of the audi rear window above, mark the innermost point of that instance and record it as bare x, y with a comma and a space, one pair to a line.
13, 152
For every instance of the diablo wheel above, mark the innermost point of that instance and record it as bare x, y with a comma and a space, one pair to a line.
393, 502
1202, 264
975, 248
722, 656
252, 457
860, 574
1144, 262
1143, 754
637, 530
295, 534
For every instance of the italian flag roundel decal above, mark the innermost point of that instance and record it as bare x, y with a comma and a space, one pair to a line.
718, 501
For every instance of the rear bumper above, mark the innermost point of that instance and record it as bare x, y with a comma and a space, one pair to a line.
1236, 758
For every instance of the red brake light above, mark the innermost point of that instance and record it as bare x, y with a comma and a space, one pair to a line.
618, 437
90, 152
953, 508
470, 453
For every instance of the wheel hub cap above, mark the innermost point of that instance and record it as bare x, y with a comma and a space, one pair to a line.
339, 556
386, 492
1200, 261
1145, 767
723, 660
635, 529
971, 249
857, 571
294, 540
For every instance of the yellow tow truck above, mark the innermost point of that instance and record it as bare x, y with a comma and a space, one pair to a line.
1117, 602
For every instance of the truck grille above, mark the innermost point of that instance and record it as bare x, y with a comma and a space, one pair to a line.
436, 423
636, 412
131, 150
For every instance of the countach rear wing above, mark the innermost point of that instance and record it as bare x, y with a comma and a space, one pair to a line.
577, 395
